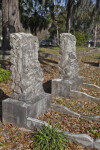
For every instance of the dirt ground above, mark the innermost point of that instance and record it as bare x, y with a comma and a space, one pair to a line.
13, 138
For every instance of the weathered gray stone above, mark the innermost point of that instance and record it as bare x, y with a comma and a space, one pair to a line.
16, 112
68, 64
97, 144
28, 98
84, 96
27, 75
64, 110
82, 139
91, 86
68, 67
90, 117
34, 124
60, 87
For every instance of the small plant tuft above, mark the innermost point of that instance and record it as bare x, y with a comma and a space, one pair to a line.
4, 75
48, 138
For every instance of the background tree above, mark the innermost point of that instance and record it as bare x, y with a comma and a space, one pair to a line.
10, 20
71, 7
34, 16
82, 20
59, 22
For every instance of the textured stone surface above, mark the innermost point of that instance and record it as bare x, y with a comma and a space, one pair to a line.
28, 98
27, 76
97, 144
91, 86
64, 110
68, 64
34, 124
82, 139
16, 112
68, 67
60, 87
84, 96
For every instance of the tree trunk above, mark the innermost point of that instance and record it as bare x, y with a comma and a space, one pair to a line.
69, 14
14, 21
57, 32
68, 23
10, 21
5, 25
95, 36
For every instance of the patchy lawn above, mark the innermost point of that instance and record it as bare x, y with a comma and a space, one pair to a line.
55, 50
50, 49
80, 49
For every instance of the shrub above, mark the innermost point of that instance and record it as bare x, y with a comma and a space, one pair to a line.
4, 75
47, 138
81, 40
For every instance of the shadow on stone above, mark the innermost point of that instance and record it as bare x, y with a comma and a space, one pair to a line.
47, 86
3, 96
5, 64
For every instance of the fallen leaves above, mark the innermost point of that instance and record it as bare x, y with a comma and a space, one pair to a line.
12, 138
72, 124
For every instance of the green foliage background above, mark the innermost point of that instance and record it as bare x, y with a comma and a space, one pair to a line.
81, 40
4, 75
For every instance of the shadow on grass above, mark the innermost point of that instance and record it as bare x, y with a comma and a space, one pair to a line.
5, 64
95, 64
41, 60
51, 61
3, 96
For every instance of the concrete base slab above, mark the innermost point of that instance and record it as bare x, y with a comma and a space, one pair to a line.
16, 112
62, 87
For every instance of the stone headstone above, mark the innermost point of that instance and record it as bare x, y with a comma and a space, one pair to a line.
28, 98
68, 67
27, 75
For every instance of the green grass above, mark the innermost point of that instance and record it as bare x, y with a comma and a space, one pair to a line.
47, 138
50, 50
92, 57
5, 75
80, 49
55, 49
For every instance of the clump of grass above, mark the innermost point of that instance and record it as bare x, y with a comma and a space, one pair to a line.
95, 133
48, 138
4, 75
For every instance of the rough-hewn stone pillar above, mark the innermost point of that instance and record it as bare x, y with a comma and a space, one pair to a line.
28, 98
68, 67
27, 74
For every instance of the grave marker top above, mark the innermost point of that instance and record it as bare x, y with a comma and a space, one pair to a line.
27, 75
68, 64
